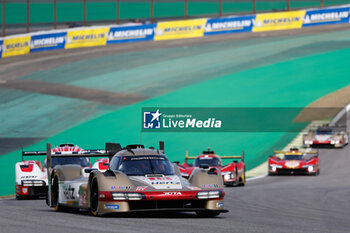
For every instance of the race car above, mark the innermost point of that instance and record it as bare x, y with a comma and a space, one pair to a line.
31, 176
294, 162
137, 179
326, 136
233, 174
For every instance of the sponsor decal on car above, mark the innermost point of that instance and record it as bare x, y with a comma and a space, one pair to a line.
172, 193
292, 164
141, 188
219, 205
28, 177
193, 188
120, 187
109, 206
210, 186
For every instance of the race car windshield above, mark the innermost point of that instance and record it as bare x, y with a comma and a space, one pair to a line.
84, 162
323, 132
143, 165
211, 161
293, 157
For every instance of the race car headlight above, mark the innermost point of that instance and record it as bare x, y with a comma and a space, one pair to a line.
310, 169
227, 176
127, 196
210, 194
33, 183
184, 174
274, 167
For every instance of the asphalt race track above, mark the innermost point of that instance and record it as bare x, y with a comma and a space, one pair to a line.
270, 204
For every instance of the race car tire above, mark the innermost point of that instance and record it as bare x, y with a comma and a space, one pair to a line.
207, 214
55, 194
94, 196
242, 180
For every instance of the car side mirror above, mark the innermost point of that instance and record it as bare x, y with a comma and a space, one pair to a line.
204, 166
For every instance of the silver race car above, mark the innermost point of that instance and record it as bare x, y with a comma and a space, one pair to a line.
138, 179
326, 136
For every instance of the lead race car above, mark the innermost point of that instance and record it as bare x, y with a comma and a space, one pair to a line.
31, 176
233, 174
294, 162
137, 179
336, 137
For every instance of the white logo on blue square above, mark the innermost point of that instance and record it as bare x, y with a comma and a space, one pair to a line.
151, 120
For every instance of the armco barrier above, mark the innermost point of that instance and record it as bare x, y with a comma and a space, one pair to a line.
98, 36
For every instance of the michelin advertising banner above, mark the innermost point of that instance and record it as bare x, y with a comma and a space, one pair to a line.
278, 21
229, 25
180, 29
1, 42
16, 46
131, 33
86, 37
48, 42
326, 16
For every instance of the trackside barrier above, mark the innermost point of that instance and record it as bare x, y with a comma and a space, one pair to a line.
100, 36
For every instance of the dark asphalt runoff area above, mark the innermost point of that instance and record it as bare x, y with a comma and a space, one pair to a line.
271, 204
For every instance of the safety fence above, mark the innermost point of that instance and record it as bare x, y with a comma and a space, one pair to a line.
18, 16
98, 36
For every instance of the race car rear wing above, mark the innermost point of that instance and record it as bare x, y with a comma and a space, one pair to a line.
241, 157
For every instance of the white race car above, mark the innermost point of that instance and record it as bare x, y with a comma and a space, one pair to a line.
31, 176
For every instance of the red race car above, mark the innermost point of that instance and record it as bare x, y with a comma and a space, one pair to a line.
233, 174
294, 162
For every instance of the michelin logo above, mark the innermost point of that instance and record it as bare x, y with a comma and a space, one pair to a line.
140, 33
151, 120
329, 16
217, 26
46, 42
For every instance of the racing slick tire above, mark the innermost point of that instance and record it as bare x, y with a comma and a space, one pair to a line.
207, 214
94, 196
242, 179
55, 194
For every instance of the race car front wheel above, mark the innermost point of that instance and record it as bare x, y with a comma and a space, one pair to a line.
55, 194
94, 196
